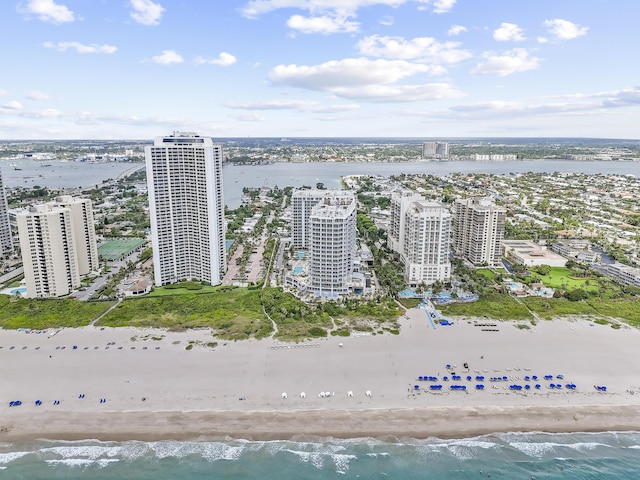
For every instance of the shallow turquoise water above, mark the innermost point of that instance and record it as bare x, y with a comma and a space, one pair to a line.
503, 456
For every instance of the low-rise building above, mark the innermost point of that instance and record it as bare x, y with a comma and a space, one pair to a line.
579, 250
531, 254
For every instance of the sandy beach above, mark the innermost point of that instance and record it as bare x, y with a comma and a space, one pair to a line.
120, 384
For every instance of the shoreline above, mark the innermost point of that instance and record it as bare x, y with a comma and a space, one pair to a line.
149, 384
391, 425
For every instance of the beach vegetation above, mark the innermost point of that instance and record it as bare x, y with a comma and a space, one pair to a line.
626, 309
317, 332
410, 302
550, 308
39, 314
490, 305
234, 314
341, 332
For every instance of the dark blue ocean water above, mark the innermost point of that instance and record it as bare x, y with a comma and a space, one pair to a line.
514, 456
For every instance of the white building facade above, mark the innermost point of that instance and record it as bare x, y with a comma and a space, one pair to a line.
186, 208
48, 251
478, 230
84, 232
421, 233
437, 150
302, 202
332, 244
6, 240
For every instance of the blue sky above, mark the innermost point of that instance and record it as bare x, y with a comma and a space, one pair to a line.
135, 69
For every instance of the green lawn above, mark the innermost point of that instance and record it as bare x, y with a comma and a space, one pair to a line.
39, 314
560, 278
232, 314
485, 272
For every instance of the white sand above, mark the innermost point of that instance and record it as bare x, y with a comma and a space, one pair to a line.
197, 393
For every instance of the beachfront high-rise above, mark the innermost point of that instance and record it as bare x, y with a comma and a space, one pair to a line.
48, 251
332, 244
6, 240
478, 230
84, 232
302, 201
186, 207
420, 233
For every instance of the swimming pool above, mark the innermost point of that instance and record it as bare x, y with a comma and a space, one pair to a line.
21, 291
297, 270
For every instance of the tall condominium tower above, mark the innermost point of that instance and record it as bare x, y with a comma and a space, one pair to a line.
84, 232
302, 201
426, 243
437, 150
400, 201
6, 241
184, 178
48, 251
332, 244
420, 233
478, 230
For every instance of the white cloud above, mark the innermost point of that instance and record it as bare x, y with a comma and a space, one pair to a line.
299, 105
508, 32
349, 72
37, 96
47, 11
80, 47
249, 117
399, 93
443, 6
167, 57
12, 105
420, 48
387, 21
456, 30
564, 29
322, 24
364, 79
224, 60
146, 12
3, 93
513, 61
255, 8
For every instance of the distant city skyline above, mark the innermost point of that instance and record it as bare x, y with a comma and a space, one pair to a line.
319, 68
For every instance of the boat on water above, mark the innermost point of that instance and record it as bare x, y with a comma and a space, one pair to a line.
15, 166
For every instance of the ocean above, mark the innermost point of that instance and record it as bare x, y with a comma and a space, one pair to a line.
513, 456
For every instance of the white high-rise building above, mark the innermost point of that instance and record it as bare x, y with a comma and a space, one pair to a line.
302, 201
48, 251
478, 230
332, 244
6, 240
438, 150
420, 233
400, 201
84, 232
186, 207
